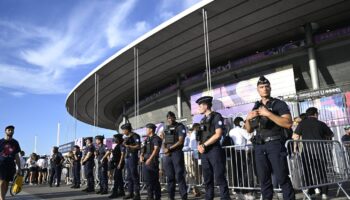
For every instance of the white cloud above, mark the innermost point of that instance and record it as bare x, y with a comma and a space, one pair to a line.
118, 31
45, 54
169, 8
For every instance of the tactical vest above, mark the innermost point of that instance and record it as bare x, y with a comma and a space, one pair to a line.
170, 135
205, 129
149, 146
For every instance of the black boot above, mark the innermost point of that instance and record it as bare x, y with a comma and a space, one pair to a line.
121, 193
137, 196
129, 196
113, 195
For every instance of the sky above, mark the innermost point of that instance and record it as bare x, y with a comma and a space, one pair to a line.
47, 47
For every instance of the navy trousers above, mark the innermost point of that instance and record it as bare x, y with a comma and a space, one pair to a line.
89, 174
76, 173
103, 177
174, 166
213, 165
271, 157
133, 178
151, 175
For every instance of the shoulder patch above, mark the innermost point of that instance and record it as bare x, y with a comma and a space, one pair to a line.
183, 131
220, 122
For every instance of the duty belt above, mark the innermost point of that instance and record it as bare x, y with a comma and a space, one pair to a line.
272, 138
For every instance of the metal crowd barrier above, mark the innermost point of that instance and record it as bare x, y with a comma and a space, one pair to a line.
346, 146
316, 164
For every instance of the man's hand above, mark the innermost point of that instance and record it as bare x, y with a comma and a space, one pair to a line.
141, 159
148, 161
263, 111
200, 149
166, 151
119, 166
251, 115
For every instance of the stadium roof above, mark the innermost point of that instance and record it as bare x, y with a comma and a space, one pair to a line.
236, 28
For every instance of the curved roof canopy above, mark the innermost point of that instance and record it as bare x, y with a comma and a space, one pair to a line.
236, 28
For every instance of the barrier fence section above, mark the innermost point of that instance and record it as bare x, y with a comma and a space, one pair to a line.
346, 146
316, 164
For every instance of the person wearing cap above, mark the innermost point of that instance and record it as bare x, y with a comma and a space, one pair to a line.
56, 166
132, 143
9, 159
77, 155
88, 162
212, 155
174, 162
103, 165
117, 163
269, 117
150, 159
346, 137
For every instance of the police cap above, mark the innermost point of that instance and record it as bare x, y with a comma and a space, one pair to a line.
347, 127
126, 126
10, 127
151, 126
205, 99
262, 80
99, 137
76, 146
55, 147
118, 137
170, 114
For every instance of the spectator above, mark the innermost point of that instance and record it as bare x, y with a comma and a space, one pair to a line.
346, 136
56, 166
9, 149
313, 129
42, 169
33, 168
22, 161
243, 160
191, 158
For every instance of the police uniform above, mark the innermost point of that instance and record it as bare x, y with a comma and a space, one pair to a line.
119, 149
270, 152
151, 172
56, 168
89, 167
102, 167
77, 168
174, 162
213, 159
131, 164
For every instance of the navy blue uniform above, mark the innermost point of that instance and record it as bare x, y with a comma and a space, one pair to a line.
102, 168
271, 156
174, 163
77, 168
89, 167
56, 168
213, 160
151, 172
118, 172
131, 161
8, 151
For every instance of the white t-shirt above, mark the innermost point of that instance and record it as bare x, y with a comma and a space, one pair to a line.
22, 161
42, 163
31, 163
239, 136
190, 142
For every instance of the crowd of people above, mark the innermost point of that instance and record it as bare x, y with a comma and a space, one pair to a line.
266, 128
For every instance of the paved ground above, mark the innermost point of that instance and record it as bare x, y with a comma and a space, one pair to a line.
64, 192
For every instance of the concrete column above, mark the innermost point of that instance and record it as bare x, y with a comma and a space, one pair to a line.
179, 98
312, 57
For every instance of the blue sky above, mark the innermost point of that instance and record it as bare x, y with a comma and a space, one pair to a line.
47, 47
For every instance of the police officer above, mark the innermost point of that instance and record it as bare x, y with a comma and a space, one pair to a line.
77, 154
56, 166
212, 155
103, 165
117, 163
150, 159
132, 144
88, 162
269, 118
174, 162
